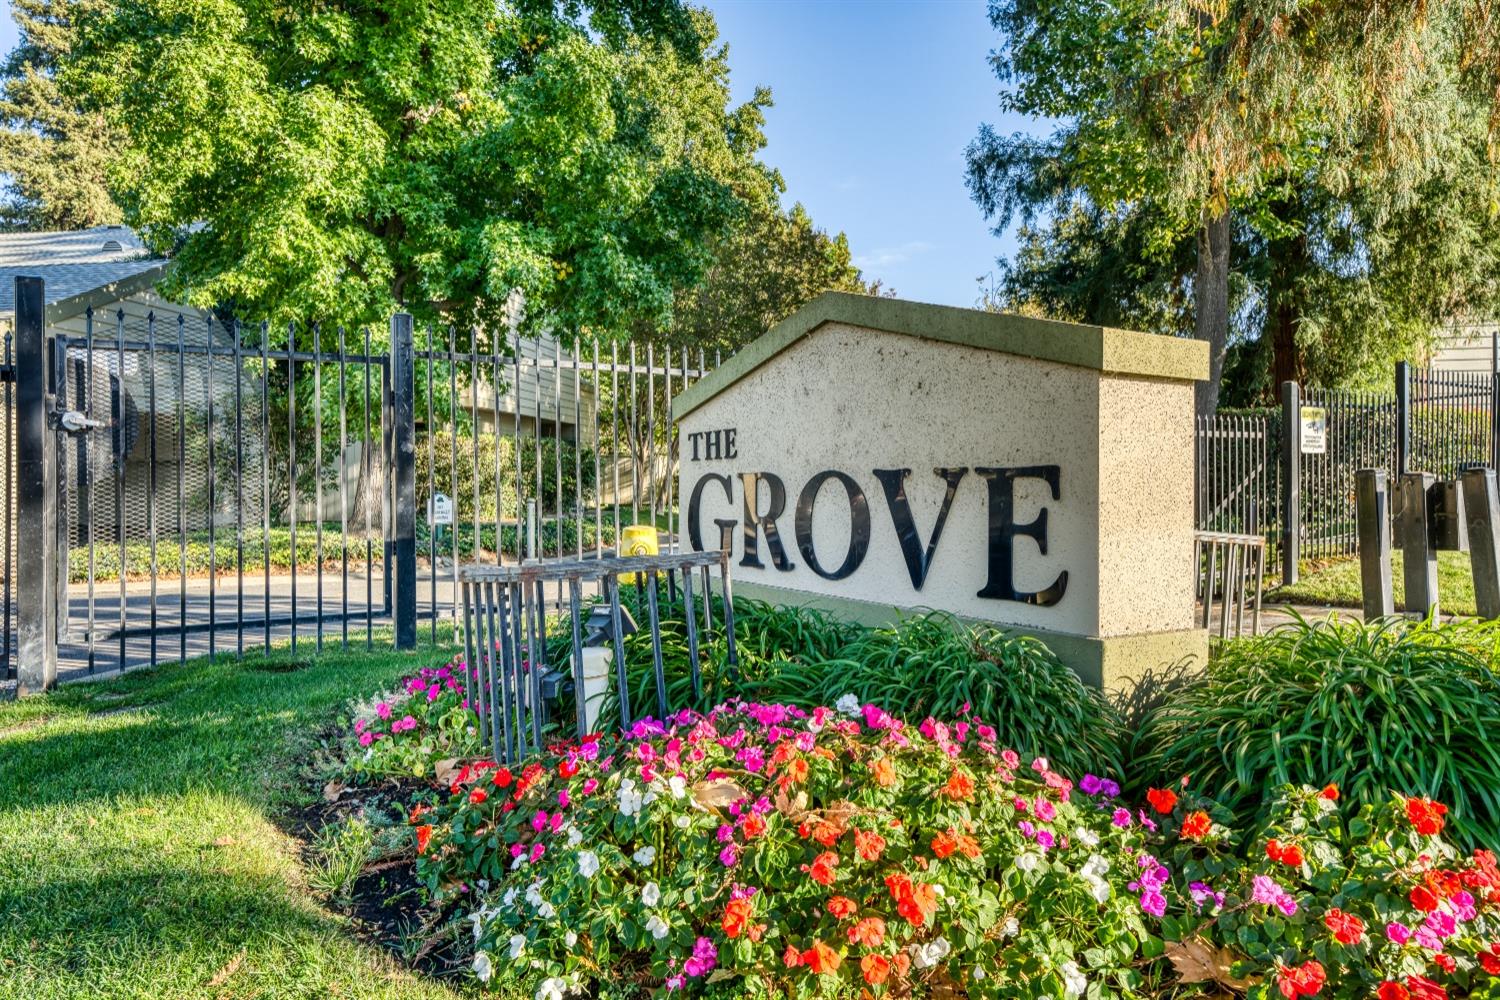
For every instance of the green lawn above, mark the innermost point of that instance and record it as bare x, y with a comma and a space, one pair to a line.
1337, 584
139, 850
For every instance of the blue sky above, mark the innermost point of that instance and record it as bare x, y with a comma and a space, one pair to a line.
875, 101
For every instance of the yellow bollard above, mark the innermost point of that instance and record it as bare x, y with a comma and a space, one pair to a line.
636, 540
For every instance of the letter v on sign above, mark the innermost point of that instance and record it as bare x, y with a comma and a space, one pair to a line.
918, 562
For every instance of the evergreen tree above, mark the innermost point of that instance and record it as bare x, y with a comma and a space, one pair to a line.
54, 156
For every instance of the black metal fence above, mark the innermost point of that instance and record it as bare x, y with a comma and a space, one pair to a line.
1289, 475
186, 485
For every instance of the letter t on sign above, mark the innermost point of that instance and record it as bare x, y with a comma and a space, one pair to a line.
1004, 529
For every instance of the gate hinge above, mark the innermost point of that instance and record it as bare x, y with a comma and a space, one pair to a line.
75, 422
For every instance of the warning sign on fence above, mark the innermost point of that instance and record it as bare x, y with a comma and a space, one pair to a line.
440, 509
1314, 430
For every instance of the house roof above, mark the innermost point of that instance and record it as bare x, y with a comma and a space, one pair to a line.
80, 268
1120, 352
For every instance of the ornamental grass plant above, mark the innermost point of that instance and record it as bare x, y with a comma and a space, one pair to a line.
1370, 707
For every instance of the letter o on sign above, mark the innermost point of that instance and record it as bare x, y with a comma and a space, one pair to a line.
859, 524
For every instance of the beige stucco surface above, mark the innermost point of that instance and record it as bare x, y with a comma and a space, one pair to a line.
854, 399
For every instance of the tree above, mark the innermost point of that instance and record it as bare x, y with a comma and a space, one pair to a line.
1202, 112
343, 159
54, 156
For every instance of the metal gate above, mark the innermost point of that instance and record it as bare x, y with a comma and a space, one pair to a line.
186, 487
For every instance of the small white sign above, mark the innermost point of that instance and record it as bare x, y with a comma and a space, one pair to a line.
1314, 430
440, 509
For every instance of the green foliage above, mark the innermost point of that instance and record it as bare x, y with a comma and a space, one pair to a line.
341, 851
338, 160
54, 155
446, 463
1370, 707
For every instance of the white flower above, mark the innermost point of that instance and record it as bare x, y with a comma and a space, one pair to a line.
509, 899
483, 884
939, 891
925, 956
482, 967
1029, 861
678, 785
517, 945
847, 705
978, 972
630, 799
477, 918
1098, 888
650, 894
1010, 928
683, 821
1093, 873
546, 911
518, 862
575, 836
1086, 836
1075, 984
570, 938
644, 856
657, 927
534, 895
552, 988
588, 864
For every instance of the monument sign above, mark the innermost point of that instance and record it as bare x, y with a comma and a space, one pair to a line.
876, 456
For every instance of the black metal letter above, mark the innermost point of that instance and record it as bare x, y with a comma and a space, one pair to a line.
917, 562
695, 502
754, 523
859, 524
1004, 529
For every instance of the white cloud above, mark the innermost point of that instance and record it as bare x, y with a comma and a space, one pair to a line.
886, 256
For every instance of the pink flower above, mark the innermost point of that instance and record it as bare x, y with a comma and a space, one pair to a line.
365, 739
1121, 818
562, 798
539, 821
1045, 810
1398, 933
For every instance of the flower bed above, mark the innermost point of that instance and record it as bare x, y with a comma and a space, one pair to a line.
764, 850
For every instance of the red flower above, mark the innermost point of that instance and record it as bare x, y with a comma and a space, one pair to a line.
820, 958
1445, 962
1424, 899
1163, 800
869, 845
869, 932
1287, 854
1196, 825
1490, 960
1305, 980
567, 768
1426, 816
737, 916
876, 969
502, 778
821, 870
842, 907
1392, 991
424, 834
915, 901
1329, 792
753, 825
791, 958
478, 795
1346, 927
1422, 988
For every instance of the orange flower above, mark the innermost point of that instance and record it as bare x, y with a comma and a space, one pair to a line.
915, 901
821, 870
943, 845
869, 932
737, 916
869, 845
959, 787
1287, 854
753, 825
820, 958
827, 833
424, 834
967, 845
1329, 792
876, 969
1163, 800
1196, 825
791, 958
795, 773
842, 907
902, 961
885, 772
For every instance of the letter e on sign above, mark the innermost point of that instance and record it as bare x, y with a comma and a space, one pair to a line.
1314, 430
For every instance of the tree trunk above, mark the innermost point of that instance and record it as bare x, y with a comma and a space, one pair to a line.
1211, 301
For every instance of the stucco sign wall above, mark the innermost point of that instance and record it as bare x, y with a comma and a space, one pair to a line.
875, 455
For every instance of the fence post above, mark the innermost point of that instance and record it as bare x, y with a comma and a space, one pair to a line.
1373, 509
1291, 480
36, 497
1482, 507
1495, 420
1418, 558
1403, 417
404, 477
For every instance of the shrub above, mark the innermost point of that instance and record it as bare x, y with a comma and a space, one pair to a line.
405, 732
1378, 906
1373, 707
762, 849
